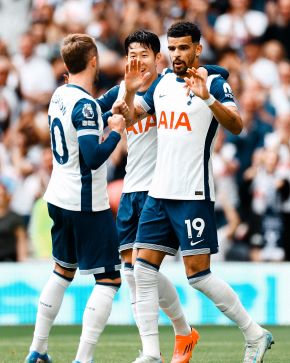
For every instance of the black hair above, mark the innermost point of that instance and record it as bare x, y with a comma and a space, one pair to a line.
143, 37
183, 29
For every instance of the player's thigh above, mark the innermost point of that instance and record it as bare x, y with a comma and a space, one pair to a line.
131, 205
96, 242
63, 239
155, 231
194, 224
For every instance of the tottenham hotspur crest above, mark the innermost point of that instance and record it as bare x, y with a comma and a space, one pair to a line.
88, 111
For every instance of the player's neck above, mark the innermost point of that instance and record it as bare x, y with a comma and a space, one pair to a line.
82, 81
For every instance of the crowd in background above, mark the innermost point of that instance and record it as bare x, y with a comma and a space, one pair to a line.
252, 170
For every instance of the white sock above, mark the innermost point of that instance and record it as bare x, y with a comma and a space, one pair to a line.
96, 315
227, 301
170, 304
48, 307
128, 273
147, 307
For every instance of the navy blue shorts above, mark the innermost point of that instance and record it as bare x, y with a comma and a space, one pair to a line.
130, 208
165, 225
87, 240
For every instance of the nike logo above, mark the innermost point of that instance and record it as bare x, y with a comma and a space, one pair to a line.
160, 96
195, 243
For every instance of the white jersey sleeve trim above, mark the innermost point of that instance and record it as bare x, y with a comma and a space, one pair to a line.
88, 132
143, 104
229, 104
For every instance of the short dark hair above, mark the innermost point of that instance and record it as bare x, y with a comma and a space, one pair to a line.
183, 29
143, 37
77, 50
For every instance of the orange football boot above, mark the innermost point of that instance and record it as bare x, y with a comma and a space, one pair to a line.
184, 346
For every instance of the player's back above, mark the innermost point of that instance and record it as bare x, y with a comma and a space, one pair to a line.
73, 113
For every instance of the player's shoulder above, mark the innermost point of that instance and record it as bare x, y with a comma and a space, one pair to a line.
86, 108
215, 81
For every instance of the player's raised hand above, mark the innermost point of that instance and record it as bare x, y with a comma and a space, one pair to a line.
134, 77
117, 123
196, 82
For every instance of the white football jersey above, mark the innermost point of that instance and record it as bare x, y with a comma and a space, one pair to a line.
73, 186
185, 132
142, 149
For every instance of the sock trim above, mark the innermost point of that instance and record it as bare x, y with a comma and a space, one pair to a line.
69, 279
147, 264
111, 284
199, 275
128, 266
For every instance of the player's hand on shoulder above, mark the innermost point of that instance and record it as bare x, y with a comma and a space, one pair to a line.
117, 123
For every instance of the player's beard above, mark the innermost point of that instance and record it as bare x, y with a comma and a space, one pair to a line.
182, 71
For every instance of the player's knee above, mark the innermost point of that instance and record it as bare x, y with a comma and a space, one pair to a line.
64, 272
197, 280
145, 272
110, 278
126, 256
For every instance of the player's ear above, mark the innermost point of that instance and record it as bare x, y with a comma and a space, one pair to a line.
198, 50
158, 57
94, 61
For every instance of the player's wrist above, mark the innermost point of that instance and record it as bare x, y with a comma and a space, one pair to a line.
210, 100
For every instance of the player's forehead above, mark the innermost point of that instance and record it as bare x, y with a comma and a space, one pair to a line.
139, 48
181, 41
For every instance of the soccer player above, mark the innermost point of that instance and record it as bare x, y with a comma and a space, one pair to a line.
179, 211
84, 234
142, 147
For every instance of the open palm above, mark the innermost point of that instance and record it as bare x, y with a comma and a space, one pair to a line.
134, 78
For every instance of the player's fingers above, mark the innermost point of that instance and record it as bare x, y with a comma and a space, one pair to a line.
146, 76
189, 82
138, 66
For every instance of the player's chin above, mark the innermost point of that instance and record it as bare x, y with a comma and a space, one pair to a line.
180, 71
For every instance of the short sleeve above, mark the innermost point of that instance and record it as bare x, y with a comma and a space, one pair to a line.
222, 91
147, 102
85, 117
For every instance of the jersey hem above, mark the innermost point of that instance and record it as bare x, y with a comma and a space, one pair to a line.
179, 197
76, 209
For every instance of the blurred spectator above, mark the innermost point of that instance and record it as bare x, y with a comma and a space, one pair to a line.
224, 169
267, 186
40, 222
258, 67
278, 12
13, 241
239, 25
8, 98
251, 138
14, 20
279, 141
280, 95
274, 50
36, 79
